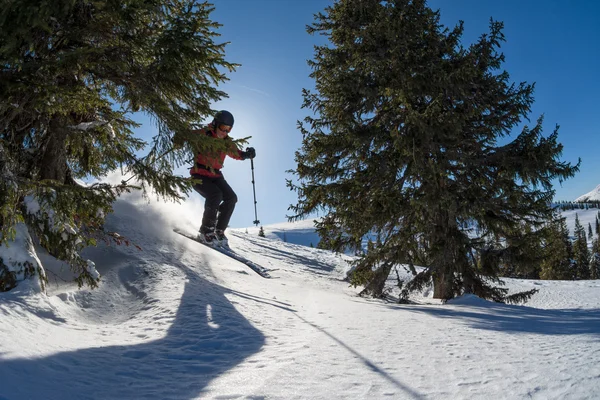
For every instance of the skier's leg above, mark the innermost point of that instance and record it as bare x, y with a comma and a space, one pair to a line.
227, 206
213, 197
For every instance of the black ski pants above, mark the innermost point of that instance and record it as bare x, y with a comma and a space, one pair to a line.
219, 202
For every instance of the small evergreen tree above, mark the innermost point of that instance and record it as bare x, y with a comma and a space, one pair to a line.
404, 143
590, 232
581, 254
261, 232
73, 72
525, 258
595, 260
558, 252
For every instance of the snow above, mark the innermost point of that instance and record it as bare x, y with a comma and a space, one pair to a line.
594, 195
84, 126
32, 205
177, 320
91, 269
586, 217
18, 255
299, 232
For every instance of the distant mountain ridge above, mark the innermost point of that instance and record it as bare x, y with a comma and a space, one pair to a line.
594, 195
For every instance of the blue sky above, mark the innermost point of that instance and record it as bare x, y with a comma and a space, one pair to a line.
551, 43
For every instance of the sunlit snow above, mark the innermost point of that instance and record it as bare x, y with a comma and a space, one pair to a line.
179, 321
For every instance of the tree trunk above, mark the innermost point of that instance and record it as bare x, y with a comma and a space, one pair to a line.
376, 286
445, 247
53, 163
442, 288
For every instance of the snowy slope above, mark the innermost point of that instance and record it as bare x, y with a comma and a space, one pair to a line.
586, 218
179, 321
299, 232
594, 195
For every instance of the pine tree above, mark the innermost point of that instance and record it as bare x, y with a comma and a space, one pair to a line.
581, 254
595, 260
558, 252
404, 143
524, 260
590, 232
73, 73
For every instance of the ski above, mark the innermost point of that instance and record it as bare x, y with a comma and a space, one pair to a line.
262, 271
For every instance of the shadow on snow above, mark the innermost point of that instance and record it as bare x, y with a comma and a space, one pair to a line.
208, 337
278, 252
520, 319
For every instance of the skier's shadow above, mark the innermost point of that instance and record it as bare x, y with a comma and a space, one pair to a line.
521, 319
208, 337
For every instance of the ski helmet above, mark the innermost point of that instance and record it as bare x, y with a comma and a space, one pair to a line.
223, 118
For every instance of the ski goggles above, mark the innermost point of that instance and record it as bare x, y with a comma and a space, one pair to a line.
224, 128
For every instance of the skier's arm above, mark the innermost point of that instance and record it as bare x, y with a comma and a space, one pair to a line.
239, 154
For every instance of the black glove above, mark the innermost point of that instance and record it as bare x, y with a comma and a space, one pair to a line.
249, 153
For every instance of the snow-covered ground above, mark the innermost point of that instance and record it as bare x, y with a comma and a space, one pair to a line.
299, 232
586, 217
177, 320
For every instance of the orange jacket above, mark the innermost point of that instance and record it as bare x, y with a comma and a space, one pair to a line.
209, 165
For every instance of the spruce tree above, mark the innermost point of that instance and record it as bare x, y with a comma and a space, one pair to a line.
525, 260
557, 262
595, 260
581, 254
409, 140
73, 73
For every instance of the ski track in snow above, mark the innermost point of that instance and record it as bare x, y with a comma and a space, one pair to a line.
179, 321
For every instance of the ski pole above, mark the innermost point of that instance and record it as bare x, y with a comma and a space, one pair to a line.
256, 221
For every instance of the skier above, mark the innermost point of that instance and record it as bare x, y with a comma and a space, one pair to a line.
219, 197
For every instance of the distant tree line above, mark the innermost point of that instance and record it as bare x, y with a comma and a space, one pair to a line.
561, 256
577, 205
